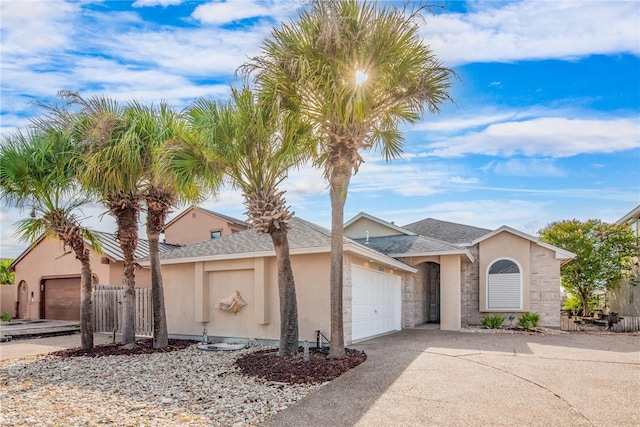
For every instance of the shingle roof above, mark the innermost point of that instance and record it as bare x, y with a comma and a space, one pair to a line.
302, 234
447, 231
403, 245
111, 248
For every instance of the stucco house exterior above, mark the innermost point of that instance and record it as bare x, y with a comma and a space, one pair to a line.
394, 278
48, 276
625, 300
197, 224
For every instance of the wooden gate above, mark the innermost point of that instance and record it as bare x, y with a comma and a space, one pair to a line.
108, 301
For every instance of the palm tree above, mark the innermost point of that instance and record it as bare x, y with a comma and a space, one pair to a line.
113, 163
162, 133
257, 144
355, 72
38, 170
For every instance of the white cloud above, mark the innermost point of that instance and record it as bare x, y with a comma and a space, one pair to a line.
524, 167
151, 3
229, 11
545, 136
500, 31
189, 52
461, 180
36, 26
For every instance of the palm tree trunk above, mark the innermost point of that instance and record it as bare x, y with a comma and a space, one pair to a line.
86, 305
287, 294
127, 219
339, 183
155, 221
73, 237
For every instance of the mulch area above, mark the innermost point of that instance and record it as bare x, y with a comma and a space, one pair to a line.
264, 364
268, 365
117, 349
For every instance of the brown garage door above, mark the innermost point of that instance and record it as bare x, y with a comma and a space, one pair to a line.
62, 298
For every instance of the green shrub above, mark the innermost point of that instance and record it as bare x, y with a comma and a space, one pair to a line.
493, 322
6, 317
529, 320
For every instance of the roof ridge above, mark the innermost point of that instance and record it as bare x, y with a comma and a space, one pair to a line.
448, 222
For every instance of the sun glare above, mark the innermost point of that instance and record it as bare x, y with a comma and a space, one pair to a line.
361, 77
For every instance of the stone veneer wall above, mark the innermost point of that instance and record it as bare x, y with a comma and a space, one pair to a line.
347, 299
411, 285
470, 290
545, 298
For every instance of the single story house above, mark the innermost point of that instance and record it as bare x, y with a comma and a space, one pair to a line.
47, 275
394, 277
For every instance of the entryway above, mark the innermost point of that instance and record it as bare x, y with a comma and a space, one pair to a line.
431, 278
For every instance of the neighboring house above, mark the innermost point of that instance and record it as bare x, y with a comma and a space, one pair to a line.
394, 278
48, 276
196, 225
625, 299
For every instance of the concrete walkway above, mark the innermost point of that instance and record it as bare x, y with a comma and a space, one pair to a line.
35, 346
433, 378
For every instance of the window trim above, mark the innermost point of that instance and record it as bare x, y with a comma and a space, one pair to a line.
488, 286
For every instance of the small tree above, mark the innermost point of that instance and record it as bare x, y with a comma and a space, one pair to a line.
603, 251
7, 276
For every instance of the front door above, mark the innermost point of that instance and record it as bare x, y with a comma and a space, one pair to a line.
431, 274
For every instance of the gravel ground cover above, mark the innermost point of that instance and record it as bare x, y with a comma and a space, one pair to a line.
186, 387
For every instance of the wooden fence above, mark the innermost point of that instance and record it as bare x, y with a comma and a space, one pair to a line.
625, 324
108, 301
567, 323
628, 324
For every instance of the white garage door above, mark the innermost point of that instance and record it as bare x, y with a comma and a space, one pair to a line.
376, 303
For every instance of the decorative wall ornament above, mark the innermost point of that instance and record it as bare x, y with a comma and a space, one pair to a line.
232, 303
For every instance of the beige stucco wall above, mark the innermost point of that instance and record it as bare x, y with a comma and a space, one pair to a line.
505, 246
358, 230
49, 260
450, 309
196, 226
192, 290
8, 298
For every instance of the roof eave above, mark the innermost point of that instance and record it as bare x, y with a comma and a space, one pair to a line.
376, 256
464, 252
351, 247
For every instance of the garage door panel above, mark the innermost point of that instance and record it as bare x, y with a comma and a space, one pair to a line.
376, 303
62, 299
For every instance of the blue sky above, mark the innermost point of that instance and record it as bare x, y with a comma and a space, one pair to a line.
545, 125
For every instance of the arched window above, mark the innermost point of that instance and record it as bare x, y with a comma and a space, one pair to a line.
504, 285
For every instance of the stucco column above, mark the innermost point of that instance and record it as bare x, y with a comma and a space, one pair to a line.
201, 293
450, 293
261, 292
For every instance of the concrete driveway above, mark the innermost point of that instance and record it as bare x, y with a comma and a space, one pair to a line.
423, 378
